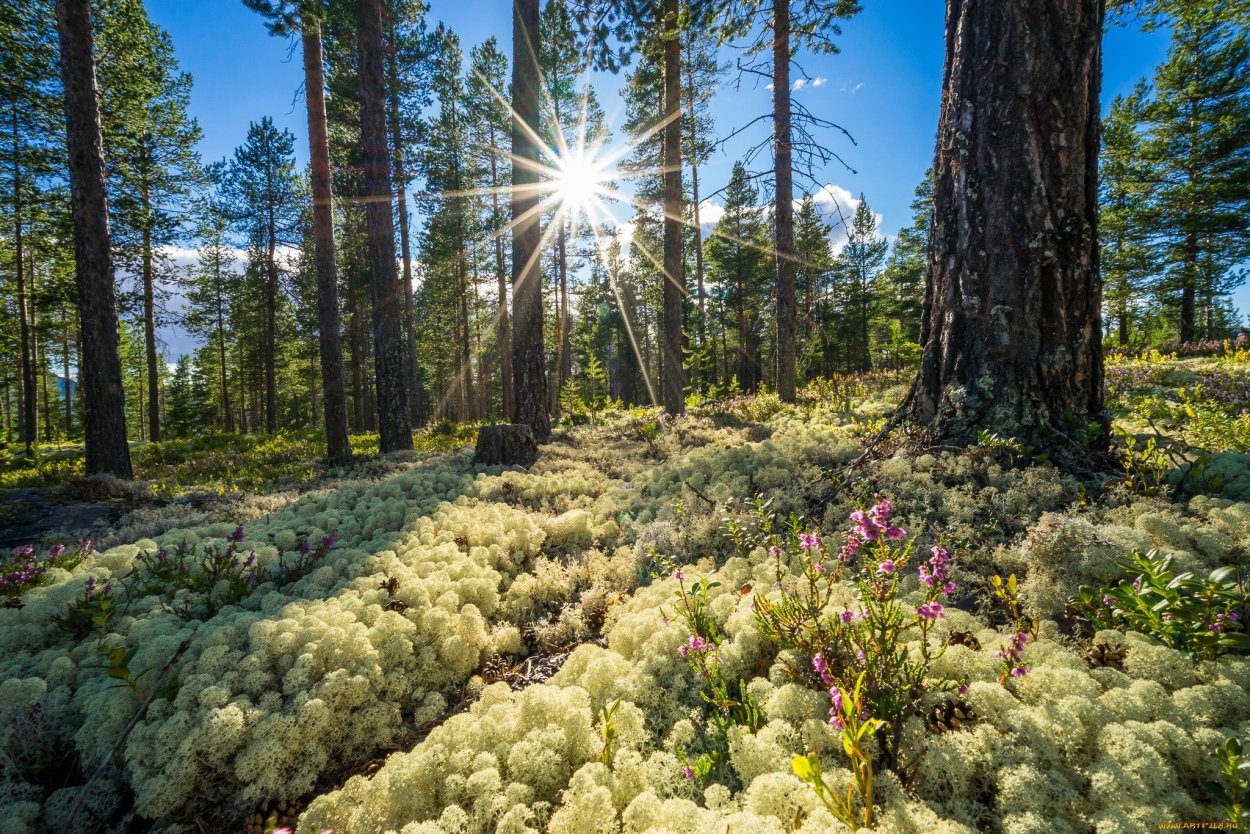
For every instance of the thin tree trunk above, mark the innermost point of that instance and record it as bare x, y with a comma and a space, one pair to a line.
1011, 326
1189, 293
674, 277
501, 271
227, 414
69, 403
338, 446
395, 430
529, 373
149, 305
694, 193
104, 414
784, 202
26, 365
412, 371
564, 365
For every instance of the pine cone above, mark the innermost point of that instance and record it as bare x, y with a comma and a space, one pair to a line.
948, 716
1103, 654
965, 638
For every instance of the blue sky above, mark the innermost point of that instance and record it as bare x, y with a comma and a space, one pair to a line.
883, 86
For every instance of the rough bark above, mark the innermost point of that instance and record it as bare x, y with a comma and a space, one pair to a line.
1011, 323
333, 392
784, 201
674, 275
69, 400
529, 380
271, 326
104, 416
394, 428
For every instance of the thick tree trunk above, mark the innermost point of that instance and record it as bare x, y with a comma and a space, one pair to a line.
784, 201
104, 415
395, 430
674, 376
333, 393
528, 363
1011, 327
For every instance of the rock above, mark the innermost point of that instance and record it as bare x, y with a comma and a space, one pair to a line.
510, 445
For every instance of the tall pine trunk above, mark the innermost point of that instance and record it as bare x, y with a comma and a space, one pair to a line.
26, 365
501, 273
69, 402
104, 415
149, 306
412, 370
333, 393
394, 428
694, 194
528, 363
1011, 324
674, 375
784, 201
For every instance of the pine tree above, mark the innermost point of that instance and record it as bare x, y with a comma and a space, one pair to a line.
858, 264
738, 264
903, 278
153, 163
394, 427
814, 263
486, 88
1198, 145
107, 452
264, 202
1127, 260
529, 374
783, 27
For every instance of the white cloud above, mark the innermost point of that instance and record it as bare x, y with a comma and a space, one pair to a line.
820, 82
837, 206
799, 84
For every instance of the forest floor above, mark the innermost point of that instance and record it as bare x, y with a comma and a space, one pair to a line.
416, 645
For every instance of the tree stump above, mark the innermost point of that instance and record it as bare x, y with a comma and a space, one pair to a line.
510, 445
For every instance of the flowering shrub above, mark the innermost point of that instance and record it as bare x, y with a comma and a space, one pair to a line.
1203, 616
729, 706
1011, 656
869, 640
23, 569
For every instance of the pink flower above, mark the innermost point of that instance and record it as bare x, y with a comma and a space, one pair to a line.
886, 567
685, 771
930, 611
679, 575
895, 533
809, 541
774, 551
963, 689
847, 615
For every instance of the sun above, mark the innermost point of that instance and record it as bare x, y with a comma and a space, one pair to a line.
580, 181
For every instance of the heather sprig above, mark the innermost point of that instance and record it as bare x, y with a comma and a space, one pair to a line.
24, 568
870, 639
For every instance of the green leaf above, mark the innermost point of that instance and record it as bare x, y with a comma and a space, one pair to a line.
1236, 640
802, 767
